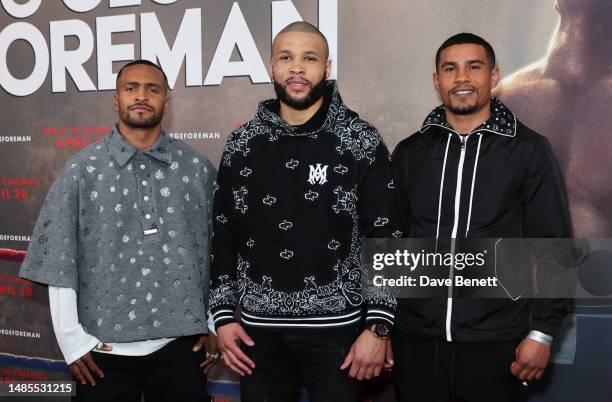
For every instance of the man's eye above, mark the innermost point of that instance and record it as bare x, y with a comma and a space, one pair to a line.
129, 89
284, 57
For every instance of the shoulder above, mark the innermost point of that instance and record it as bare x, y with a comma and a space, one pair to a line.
358, 136
87, 160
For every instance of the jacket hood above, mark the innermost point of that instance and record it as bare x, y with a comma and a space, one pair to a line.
501, 122
266, 115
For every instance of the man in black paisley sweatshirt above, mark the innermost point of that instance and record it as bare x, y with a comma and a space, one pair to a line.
299, 186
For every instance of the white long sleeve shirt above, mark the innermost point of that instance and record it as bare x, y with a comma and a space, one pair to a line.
74, 342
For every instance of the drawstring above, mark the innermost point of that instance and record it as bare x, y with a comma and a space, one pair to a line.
452, 374
467, 229
442, 189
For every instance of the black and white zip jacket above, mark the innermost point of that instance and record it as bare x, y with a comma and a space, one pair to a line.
502, 180
291, 208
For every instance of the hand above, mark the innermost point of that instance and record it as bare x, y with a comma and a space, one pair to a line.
212, 351
531, 360
81, 367
389, 363
231, 354
366, 357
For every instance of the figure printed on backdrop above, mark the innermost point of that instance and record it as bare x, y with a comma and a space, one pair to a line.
567, 96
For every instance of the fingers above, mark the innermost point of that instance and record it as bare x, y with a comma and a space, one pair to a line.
76, 373
199, 344
235, 363
348, 359
209, 363
234, 357
532, 374
369, 373
526, 372
361, 373
515, 369
244, 337
91, 365
356, 366
85, 372
235, 350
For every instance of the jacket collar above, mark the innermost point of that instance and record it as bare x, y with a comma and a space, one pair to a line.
502, 120
122, 152
336, 108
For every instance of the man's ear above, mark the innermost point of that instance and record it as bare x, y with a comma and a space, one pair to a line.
436, 82
166, 103
495, 75
116, 101
328, 68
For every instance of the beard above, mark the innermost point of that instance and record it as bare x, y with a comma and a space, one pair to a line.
152, 121
316, 92
463, 109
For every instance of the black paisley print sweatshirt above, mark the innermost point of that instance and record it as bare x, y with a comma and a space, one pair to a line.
291, 207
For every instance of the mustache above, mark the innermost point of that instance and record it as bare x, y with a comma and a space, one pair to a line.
144, 105
462, 88
304, 80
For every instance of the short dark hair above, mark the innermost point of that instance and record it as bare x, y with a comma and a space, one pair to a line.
146, 63
467, 38
307, 27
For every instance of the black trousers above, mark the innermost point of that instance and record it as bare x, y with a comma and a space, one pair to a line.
285, 360
169, 374
433, 370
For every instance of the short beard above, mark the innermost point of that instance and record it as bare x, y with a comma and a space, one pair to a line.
465, 110
148, 123
316, 92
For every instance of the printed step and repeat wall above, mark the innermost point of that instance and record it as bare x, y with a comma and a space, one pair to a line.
59, 59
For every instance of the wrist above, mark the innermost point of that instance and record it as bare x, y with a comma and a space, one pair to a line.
380, 330
540, 337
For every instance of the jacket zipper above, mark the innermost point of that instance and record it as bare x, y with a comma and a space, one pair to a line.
449, 301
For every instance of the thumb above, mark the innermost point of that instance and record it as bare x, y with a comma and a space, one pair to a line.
106, 348
389, 356
199, 344
244, 337
348, 359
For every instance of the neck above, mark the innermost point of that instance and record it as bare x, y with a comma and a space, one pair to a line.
580, 46
466, 123
295, 117
141, 138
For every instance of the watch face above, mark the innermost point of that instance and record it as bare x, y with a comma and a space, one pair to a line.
382, 330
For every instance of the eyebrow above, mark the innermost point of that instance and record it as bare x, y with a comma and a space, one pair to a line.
150, 84
454, 63
309, 52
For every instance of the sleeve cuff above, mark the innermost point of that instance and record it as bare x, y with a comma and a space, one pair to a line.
223, 316
210, 323
540, 337
378, 315
89, 343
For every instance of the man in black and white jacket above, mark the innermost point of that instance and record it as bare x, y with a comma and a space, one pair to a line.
299, 186
474, 171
